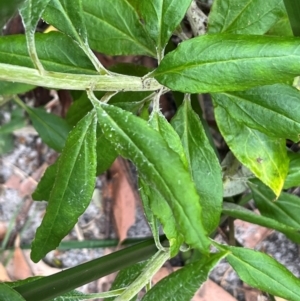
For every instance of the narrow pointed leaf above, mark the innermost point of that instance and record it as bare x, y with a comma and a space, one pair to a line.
263, 272
244, 214
157, 208
52, 129
126, 276
265, 156
158, 122
72, 190
284, 210
182, 284
56, 51
161, 17
203, 164
7, 9
31, 12
265, 60
152, 220
244, 16
114, 28
9, 294
67, 16
293, 176
135, 140
267, 109
45, 185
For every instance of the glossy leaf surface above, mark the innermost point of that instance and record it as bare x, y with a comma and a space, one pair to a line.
244, 214
52, 128
182, 284
114, 28
9, 294
65, 55
203, 163
265, 156
72, 190
284, 210
263, 272
243, 16
266, 109
293, 176
135, 140
161, 17
264, 59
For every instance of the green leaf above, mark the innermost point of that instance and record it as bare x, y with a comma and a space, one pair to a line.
17, 121
263, 272
284, 210
67, 16
9, 294
135, 140
6, 143
293, 10
293, 176
114, 28
126, 276
52, 128
254, 17
31, 12
265, 156
45, 185
235, 176
203, 164
72, 190
161, 18
245, 61
156, 208
106, 153
7, 9
281, 28
158, 122
56, 51
78, 296
266, 109
244, 214
182, 284
8, 88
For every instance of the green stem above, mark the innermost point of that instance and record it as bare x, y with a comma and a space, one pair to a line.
152, 267
32, 52
49, 287
97, 64
69, 81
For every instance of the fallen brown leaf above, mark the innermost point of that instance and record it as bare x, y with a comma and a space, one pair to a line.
3, 274
124, 199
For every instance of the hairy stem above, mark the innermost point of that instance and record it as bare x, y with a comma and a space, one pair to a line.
69, 81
